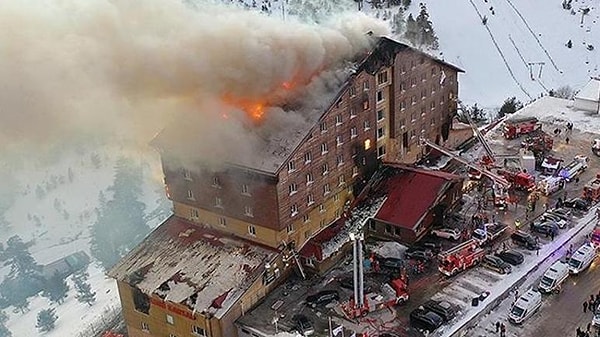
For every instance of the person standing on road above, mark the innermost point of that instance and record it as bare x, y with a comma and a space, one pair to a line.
497, 326
502, 330
567, 140
585, 304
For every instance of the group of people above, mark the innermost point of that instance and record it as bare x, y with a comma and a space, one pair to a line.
591, 306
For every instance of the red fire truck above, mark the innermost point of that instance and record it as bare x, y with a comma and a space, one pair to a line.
596, 237
519, 180
461, 257
591, 190
515, 127
393, 293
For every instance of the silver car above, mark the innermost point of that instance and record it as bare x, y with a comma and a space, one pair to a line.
447, 233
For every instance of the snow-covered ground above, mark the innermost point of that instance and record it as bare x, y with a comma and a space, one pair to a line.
65, 212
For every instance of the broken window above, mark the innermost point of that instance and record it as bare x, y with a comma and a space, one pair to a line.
141, 301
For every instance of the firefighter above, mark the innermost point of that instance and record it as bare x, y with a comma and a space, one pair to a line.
517, 224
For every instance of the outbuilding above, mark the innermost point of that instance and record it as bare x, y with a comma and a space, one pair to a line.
588, 98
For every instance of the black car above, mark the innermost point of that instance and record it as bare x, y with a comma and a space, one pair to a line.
496, 264
434, 247
425, 320
444, 309
544, 227
525, 240
322, 298
392, 263
563, 213
303, 325
511, 256
577, 204
348, 283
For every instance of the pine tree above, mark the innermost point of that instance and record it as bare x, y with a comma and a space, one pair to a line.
406, 3
511, 105
412, 30
46, 320
398, 22
20, 259
4, 332
85, 294
426, 36
21, 304
56, 289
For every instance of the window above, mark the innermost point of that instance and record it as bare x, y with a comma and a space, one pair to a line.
412, 134
413, 82
433, 89
190, 195
433, 71
251, 231
326, 189
305, 218
291, 166
145, 327
413, 100
388, 228
194, 213
187, 175
422, 111
309, 178
412, 64
367, 144
323, 127
423, 94
381, 151
307, 234
380, 133
380, 115
380, 96
341, 180
338, 103
340, 159
245, 189
433, 121
423, 77
402, 123
294, 210
198, 331
339, 140
338, 213
382, 77
421, 60
402, 86
216, 182
442, 100
170, 319
324, 169
372, 225
248, 211
402, 105
307, 157
310, 199
353, 132
352, 91
366, 85
293, 188
403, 68
354, 171
432, 106
338, 119
218, 202
352, 112
412, 117
322, 208
222, 221
397, 231
354, 151
367, 125
366, 104
337, 198
172, 335
324, 148
290, 228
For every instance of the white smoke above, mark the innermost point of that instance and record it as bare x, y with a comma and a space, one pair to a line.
71, 68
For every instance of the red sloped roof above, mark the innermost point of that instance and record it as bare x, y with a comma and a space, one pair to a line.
410, 194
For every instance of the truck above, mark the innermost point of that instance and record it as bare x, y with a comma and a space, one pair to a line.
460, 257
574, 168
596, 147
519, 180
591, 190
390, 294
550, 185
501, 196
515, 127
488, 233
550, 166
595, 240
538, 142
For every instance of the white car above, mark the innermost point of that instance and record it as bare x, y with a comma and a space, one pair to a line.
447, 233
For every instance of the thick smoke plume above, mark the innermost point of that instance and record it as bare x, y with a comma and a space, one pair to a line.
73, 68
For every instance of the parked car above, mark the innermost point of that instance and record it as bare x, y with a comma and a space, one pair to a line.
577, 204
444, 309
562, 212
544, 227
511, 256
348, 283
322, 298
418, 254
425, 320
496, 264
434, 247
548, 216
391, 262
303, 325
525, 240
447, 233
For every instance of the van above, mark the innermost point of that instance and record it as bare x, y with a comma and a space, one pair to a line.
582, 258
553, 277
524, 239
525, 306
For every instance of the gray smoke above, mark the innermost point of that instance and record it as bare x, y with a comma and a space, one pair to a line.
127, 69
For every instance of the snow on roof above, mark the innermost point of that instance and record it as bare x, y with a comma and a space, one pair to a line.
180, 260
591, 91
557, 111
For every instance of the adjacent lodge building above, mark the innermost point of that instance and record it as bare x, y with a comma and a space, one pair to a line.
236, 232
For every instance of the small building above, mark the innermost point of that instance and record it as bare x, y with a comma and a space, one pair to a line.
588, 98
66, 265
416, 200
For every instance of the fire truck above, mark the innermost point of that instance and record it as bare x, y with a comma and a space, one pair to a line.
591, 190
596, 147
596, 237
519, 180
393, 293
461, 257
515, 127
574, 168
